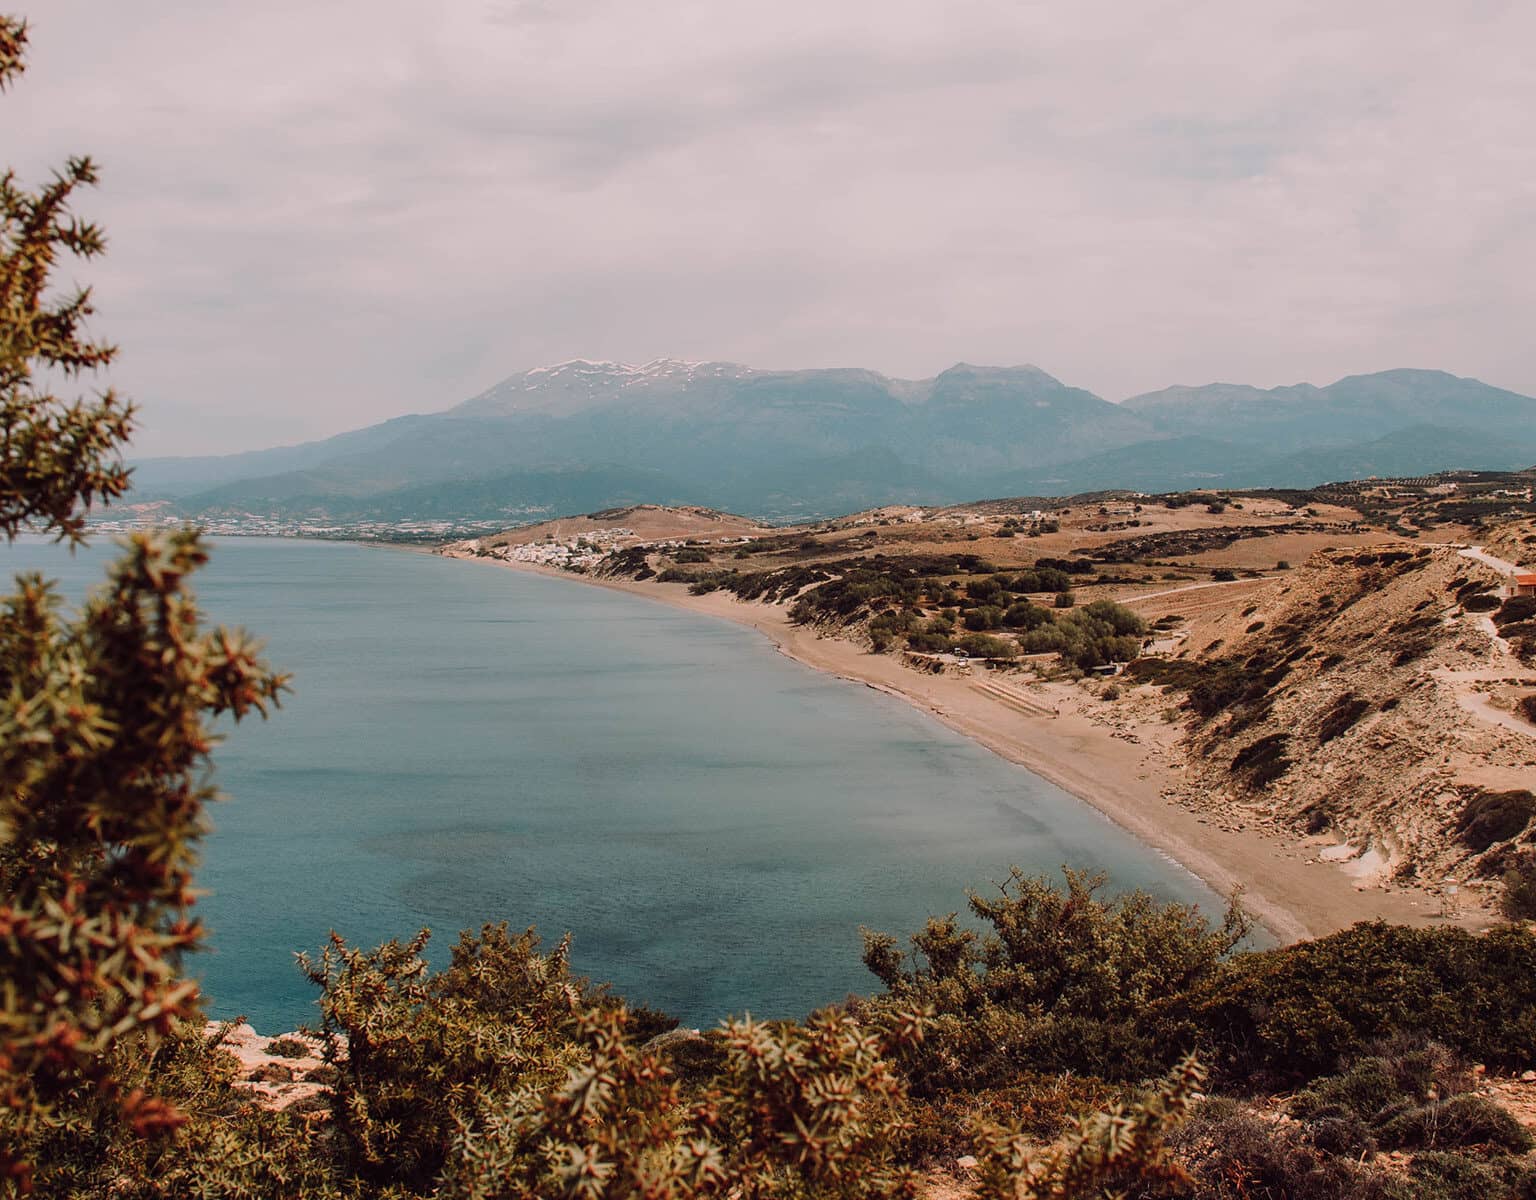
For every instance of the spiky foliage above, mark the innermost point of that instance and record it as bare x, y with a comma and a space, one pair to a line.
225, 1145
56, 456
104, 740
1064, 979
418, 1051
504, 1076
104, 720
1103, 1156
1294, 1013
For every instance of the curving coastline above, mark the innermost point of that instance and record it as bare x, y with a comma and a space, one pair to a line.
1123, 773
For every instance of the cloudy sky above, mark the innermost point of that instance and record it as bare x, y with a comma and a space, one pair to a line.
327, 212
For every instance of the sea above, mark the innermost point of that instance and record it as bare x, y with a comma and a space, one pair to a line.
711, 821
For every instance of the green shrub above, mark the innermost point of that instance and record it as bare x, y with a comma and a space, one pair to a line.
1041, 579
1232, 1154
987, 616
928, 641
220, 1145
1442, 1176
1065, 600
887, 626
705, 584
1518, 902
1044, 639
941, 1128
1358, 1110
415, 1049
1214, 686
1459, 1121
1343, 1133
503, 1073
1106, 1153
1299, 1011
1100, 633
288, 1047
841, 599
1069, 566
988, 590
1025, 615
1062, 980
1121, 620
983, 645
894, 621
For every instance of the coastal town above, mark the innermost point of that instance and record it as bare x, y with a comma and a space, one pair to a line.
126, 519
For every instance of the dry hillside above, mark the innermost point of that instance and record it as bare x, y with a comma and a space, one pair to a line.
1337, 666
1369, 701
639, 523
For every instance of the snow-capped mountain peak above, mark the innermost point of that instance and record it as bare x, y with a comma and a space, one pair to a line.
579, 383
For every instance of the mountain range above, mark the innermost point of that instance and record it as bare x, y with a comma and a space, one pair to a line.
580, 435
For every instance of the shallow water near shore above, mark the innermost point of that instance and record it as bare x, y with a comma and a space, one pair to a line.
712, 821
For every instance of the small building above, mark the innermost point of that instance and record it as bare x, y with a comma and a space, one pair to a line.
1524, 585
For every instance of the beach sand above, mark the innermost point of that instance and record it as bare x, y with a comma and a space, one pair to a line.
1122, 772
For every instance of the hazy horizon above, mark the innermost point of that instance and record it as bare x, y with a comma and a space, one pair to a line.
322, 217
140, 457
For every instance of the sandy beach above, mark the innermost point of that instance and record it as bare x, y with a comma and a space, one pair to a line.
1060, 733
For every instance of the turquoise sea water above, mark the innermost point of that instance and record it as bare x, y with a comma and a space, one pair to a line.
466, 743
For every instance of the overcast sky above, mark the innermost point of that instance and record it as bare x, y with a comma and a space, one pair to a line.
328, 212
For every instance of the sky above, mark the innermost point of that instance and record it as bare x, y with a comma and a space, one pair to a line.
327, 213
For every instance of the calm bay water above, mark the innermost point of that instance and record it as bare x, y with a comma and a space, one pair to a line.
465, 743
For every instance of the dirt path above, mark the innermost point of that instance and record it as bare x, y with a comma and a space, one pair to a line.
1481, 707
1479, 704
1478, 554
1194, 587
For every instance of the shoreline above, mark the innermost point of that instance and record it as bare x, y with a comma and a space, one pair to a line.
1284, 886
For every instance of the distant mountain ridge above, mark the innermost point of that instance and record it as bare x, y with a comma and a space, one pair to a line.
1356, 408
581, 435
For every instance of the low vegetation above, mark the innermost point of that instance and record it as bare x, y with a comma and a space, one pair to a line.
1021, 1037
1076, 1045
1519, 900
931, 604
1237, 688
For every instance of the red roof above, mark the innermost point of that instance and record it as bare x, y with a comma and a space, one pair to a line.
1526, 580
